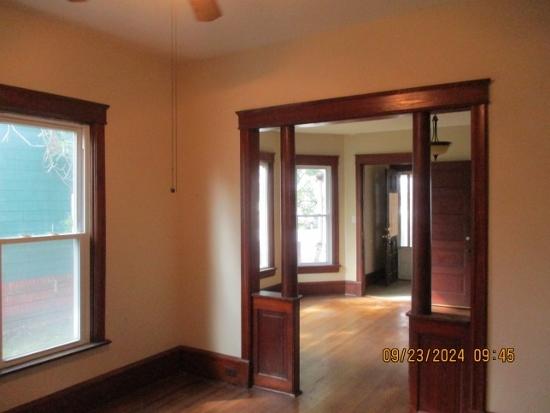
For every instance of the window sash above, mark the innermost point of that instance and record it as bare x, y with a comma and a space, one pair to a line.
327, 216
267, 160
83, 260
265, 214
81, 232
405, 206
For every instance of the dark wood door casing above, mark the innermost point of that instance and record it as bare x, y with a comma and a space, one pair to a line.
426, 329
361, 161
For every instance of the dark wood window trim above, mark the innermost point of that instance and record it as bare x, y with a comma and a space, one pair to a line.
332, 162
27, 102
269, 159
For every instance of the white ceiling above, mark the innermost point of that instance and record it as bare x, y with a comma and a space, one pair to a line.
387, 124
245, 23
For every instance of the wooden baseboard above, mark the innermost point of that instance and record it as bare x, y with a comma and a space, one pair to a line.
340, 287
216, 366
92, 393
353, 288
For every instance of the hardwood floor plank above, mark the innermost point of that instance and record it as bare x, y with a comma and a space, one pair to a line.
341, 361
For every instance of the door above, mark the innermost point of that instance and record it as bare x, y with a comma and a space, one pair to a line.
451, 255
392, 227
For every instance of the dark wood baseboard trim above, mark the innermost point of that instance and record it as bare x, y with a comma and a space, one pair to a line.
340, 287
353, 288
215, 366
91, 394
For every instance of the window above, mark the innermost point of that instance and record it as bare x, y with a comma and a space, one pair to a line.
266, 221
317, 213
405, 209
51, 213
44, 236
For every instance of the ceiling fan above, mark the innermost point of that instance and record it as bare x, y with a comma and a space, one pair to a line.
205, 10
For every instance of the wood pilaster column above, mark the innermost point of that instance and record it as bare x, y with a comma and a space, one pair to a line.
250, 239
422, 259
288, 213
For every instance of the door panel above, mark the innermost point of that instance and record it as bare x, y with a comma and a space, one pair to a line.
451, 233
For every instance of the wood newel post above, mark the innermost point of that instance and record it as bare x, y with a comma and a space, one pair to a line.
288, 213
422, 260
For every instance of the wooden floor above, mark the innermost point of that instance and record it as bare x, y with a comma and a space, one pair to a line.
341, 360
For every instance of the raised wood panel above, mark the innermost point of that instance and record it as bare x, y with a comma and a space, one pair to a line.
272, 332
448, 201
439, 387
450, 174
440, 383
276, 353
447, 257
448, 284
448, 228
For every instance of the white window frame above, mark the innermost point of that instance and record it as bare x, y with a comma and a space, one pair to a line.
265, 165
408, 203
81, 234
328, 216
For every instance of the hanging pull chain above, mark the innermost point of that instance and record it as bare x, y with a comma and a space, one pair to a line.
174, 100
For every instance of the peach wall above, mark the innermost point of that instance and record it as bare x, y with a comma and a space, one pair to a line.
505, 40
199, 305
142, 277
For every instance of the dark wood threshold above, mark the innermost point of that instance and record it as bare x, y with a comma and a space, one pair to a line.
92, 394
315, 269
52, 357
267, 272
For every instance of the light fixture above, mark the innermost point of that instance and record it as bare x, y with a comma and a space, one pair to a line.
438, 147
206, 10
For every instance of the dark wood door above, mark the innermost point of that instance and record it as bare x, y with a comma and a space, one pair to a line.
451, 254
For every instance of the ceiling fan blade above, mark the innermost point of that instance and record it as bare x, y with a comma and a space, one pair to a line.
206, 10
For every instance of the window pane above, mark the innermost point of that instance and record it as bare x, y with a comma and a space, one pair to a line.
264, 216
37, 194
410, 210
311, 190
313, 239
403, 210
40, 300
